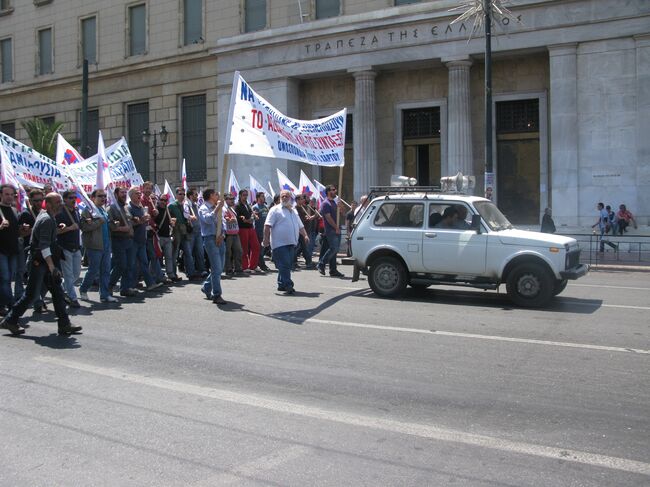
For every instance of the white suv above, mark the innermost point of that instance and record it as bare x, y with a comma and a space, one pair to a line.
419, 238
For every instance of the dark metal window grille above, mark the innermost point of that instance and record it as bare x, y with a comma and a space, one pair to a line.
48, 120
6, 61
8, 128
517, 116
349, 129
194, 139
328, 8
137, 30
45, 51
421, 123
192, 21
137, 121
255, 12
89, 40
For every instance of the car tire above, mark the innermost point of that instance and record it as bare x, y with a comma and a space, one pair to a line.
530, 285
387, 277
559, 286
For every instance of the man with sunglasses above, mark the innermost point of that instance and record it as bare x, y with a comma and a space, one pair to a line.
68, 236
96, 236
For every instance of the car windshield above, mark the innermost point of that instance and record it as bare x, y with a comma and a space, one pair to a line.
492, 215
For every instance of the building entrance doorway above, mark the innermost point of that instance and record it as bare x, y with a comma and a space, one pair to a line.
421, 145
518, 160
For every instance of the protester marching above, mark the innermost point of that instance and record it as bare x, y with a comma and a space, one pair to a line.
134, 239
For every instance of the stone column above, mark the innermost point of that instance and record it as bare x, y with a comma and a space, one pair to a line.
365, 132
642, 204
563, 116
459, 122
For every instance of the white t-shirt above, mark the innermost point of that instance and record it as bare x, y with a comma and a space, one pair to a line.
285, 226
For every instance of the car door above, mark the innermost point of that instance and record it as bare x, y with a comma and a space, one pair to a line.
399, 225
453, 250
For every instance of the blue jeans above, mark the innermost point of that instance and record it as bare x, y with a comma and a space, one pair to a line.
329, 257
71, 268
99, 266
187, 254
141, 265
8, 265
217, 257
283, 258
123, 260
196, 244
154, 262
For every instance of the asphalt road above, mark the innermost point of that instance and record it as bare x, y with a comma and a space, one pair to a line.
334, 386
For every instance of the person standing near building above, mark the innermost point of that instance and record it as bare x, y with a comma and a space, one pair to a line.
307, 218
68, 238
180, 234
164, 230
281, 231
260, 212
601, 223
191, 211
548, 225
43, 270
96, 237
149, 202
9, 247
329, 210
233, 263
214, 244
121, 244
140, 220
247, 235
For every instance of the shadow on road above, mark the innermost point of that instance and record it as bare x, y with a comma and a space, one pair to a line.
53, 340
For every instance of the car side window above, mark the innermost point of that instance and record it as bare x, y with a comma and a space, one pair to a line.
400, 215
450, 215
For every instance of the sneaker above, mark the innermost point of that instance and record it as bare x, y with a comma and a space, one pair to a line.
321, 269
154, 286
14, 328
226, 276
129, 293
280, 288
289, 291
177, 279
248, 271
310, 266
109, 299
74, 304
207, 294
336, 274
41, 308
83, 296
240, 274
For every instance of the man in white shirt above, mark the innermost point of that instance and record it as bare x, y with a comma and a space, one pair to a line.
281, 230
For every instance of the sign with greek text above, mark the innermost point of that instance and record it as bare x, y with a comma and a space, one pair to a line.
256, 128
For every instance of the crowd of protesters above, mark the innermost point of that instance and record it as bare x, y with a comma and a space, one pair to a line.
142, 241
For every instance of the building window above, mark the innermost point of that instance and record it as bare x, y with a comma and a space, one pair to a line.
194, 142
8, 128
92, 135
6, 61
137, 29
5, 7
45, 65
49, 120
40, 3
192, 21
421, 123
405, 2
328, 8
137, 122
89, 40
254, 15
518, 116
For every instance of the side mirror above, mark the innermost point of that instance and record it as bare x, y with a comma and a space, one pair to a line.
476, 223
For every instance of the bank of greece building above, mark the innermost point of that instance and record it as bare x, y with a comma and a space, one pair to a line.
571, 89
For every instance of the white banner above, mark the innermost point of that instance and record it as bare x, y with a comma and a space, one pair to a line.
256, 128
32, 168
120, 164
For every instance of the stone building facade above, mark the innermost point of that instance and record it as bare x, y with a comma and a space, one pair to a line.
571, 89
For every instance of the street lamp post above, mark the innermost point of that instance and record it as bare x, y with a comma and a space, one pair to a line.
146, 137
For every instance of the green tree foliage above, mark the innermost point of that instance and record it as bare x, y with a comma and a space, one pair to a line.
43, 136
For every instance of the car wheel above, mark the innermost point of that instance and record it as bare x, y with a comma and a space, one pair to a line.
387, 277
530, 285
559, 286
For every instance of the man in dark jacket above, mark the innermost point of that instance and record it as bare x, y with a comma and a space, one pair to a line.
121, 244
9, 247
68, 238
42, 263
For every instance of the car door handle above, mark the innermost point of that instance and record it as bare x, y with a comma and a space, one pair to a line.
430, 235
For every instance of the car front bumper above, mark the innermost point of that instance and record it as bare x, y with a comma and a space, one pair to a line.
575, 272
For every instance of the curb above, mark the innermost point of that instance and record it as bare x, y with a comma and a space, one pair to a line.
619, 268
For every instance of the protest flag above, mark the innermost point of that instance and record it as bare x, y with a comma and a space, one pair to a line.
103, 175
306, 186
66, 155
255, 189
233, 184
271, 192
8, 176
169, 192
285, 183
184, 177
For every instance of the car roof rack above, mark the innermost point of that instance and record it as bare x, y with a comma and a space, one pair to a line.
388, 190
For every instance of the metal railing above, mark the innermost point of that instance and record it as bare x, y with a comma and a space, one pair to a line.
633, 249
